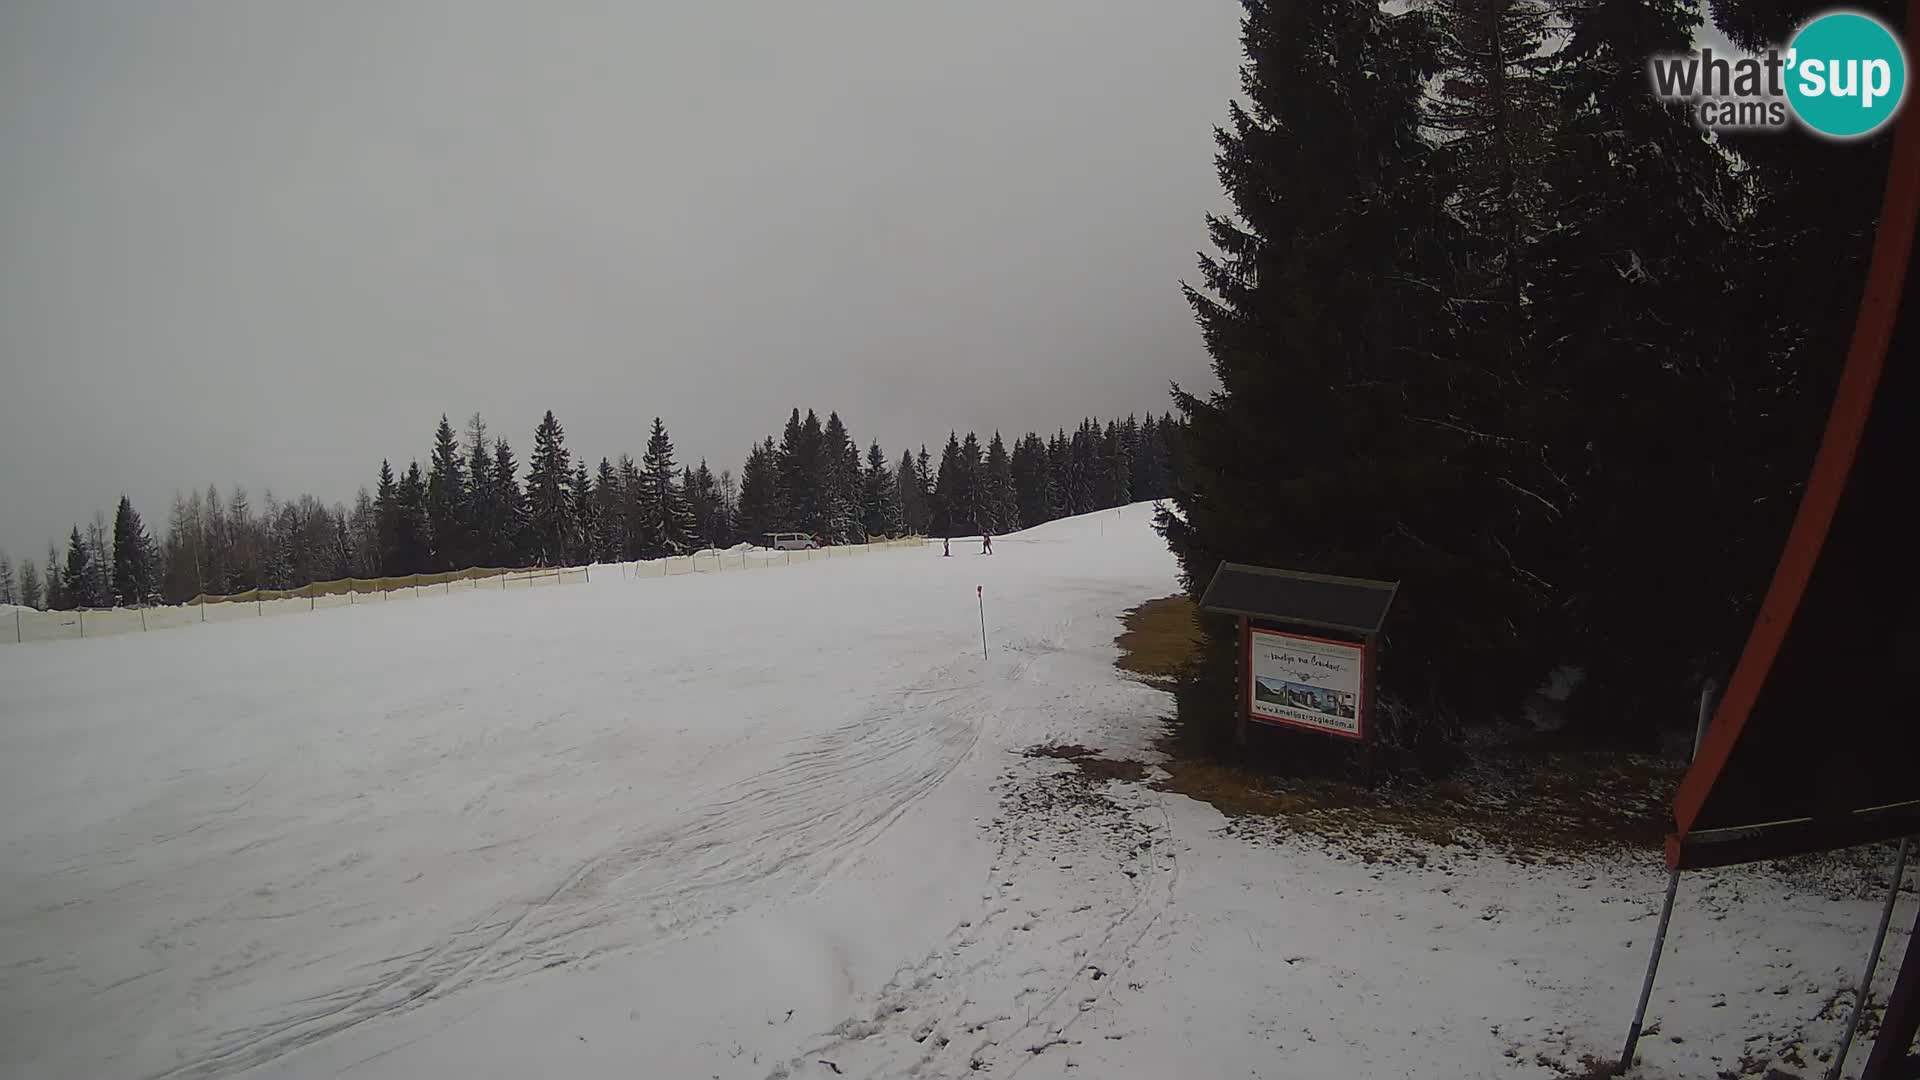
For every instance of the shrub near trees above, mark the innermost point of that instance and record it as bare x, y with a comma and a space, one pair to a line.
473, 506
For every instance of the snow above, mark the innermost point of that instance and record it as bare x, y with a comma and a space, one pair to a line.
747, 825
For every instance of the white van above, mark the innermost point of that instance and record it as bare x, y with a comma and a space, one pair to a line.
791, 541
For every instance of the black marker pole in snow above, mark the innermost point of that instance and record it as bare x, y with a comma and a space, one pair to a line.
980, 592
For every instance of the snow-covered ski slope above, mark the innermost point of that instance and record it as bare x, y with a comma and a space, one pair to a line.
219, 846
761, 826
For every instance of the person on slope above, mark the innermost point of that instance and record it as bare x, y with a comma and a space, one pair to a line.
946, 547
986, 542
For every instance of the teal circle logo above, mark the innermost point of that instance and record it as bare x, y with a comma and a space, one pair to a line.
1846, 75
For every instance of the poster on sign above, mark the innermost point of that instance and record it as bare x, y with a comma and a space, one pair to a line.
1306, 682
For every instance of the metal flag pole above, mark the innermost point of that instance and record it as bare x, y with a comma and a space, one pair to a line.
979, 591
1873, 961
1653, 965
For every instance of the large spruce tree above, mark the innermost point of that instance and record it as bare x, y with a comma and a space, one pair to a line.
507, 510
1031, 481
583, 519
79, 571
908, 494
999, 505
481, 519
665, 522
549, 485
414, 542
712, 526
952, 503
1335, 443
1650, 403
839, 482
760, 509
447, 501
386, 511
609, 515
133, 567
880, 496
632, 523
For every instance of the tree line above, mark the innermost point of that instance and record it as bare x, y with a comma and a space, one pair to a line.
1491, 320
474, 505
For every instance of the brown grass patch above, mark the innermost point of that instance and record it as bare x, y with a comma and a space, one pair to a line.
1534, 804
1161, 638
1535, 797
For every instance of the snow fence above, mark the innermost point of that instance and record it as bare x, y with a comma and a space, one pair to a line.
25, 625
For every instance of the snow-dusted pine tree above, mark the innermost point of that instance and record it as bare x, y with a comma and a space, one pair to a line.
447, 501
609, 515
549, 480
880, 499
999, 502
666, 524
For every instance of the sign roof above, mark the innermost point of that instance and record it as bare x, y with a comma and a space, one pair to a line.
1352, 605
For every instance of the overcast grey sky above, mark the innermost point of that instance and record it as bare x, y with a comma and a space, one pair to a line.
271, 242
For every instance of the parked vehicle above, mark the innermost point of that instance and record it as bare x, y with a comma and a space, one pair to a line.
791, 541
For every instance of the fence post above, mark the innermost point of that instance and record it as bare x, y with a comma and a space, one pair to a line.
19, 636
143, 618
83, 623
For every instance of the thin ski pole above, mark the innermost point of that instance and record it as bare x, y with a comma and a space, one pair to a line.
979, 591
1873, 961
1653, 965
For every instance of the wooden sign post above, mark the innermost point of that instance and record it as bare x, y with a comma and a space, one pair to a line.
1309, 650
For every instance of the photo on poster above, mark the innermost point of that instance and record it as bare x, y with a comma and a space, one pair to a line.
1306, 681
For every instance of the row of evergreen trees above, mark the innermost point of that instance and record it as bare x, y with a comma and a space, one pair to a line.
470, 509
97, 572
472, 506
813, 480
1491, 320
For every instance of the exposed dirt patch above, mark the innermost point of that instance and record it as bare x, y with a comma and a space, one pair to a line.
1534, 797
1593, 1068
1091, 764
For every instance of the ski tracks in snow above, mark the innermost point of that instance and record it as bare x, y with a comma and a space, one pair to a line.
1084, 873
779, 833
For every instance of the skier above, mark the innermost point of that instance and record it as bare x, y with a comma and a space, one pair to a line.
946, 547
986, 542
